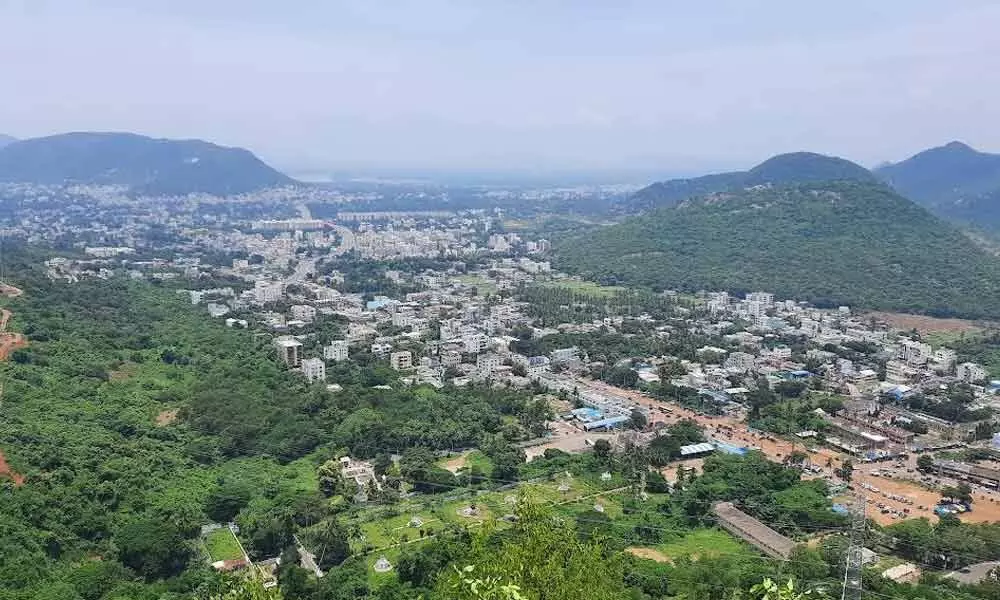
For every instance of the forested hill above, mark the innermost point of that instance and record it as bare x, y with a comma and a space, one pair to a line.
794, 167
954, 181
830, 243
146, 165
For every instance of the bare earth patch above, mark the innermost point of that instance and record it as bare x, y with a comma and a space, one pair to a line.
457, 463
649, 553
925, 324
166, 417
5, 471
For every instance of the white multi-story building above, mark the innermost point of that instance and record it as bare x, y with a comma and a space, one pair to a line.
401, 361
765, 298
337, 351
303, 312
487, 364
451, 358
267, 291
944, 358
474, 343
913, 352
739, 361
289, 350
314, 369
970, 372
563, 355
381, 349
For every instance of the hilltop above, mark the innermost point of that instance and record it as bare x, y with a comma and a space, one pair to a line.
146, 165
843, 242
793, 167
955, 181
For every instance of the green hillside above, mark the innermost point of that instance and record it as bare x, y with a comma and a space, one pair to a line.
831, 243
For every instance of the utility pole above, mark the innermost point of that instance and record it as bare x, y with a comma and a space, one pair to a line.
855, 550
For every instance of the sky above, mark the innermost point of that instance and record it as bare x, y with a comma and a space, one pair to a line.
677, 86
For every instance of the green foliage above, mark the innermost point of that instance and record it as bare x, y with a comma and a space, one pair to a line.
833, 243
152, 547
540, 557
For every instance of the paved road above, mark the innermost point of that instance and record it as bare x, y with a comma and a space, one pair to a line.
976, 573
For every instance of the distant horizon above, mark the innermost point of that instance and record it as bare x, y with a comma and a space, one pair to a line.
683, 87
568, 174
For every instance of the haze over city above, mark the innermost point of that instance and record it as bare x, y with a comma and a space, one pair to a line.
674, 87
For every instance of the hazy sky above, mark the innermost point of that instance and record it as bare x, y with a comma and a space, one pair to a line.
676, 85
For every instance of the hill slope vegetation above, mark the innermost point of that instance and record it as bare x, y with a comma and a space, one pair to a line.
829, 243
954, 181
794, 167
146, 165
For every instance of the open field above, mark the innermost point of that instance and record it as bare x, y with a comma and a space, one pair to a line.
221, 544
485, 286
925, 324
588, 288
704, 543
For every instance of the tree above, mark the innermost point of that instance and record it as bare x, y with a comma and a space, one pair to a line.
226, 500
845, 471
602, 449
637, 420
332, 482
330, 544
247, 588
540, 557
769, 590
925, 463
152, 547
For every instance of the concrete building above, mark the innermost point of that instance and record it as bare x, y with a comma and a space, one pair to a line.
303, 312
314, 369
744, 526
337, 351
401, 361
267, 291
970, 372
486, 364
289, 351
381, 349
739, 361
914, 353
564, 355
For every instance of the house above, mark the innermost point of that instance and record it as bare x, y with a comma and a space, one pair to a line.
314, 369
401, 361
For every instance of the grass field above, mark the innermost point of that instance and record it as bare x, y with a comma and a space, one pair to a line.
588, 288
704, 542
221, 544
485, 286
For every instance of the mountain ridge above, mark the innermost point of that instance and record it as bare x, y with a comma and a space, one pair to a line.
153, 166
786, 168
830, 243
954, 180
